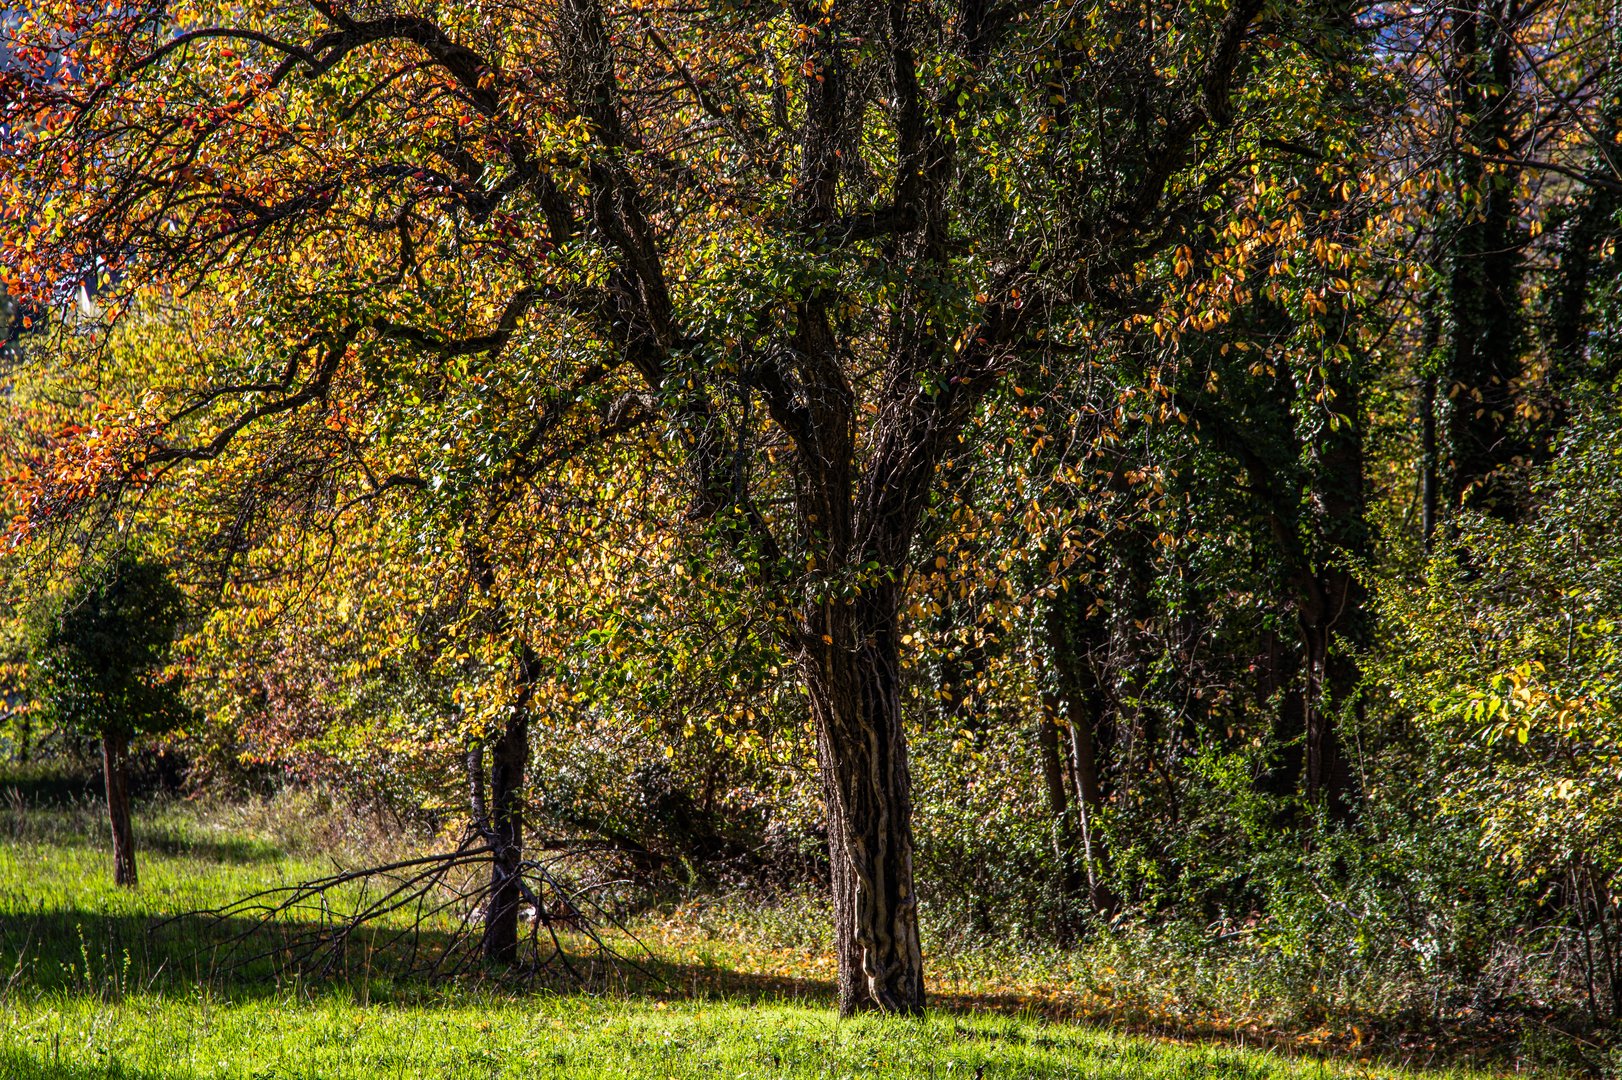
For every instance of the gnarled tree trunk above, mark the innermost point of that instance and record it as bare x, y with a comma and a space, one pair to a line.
851, 671
115, 747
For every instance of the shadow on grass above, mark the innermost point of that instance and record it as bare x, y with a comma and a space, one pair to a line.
79, 952
235, 851
149, 840
1346, 1037
21, 1065
86, 953
1489, 1041
83, 952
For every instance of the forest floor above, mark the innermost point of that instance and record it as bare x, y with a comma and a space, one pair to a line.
101, 982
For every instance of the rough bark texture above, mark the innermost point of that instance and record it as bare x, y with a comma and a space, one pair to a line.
862, 750
115, 766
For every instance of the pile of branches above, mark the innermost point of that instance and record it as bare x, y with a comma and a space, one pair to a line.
425, 916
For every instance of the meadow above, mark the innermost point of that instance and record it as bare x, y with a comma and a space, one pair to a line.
102, 982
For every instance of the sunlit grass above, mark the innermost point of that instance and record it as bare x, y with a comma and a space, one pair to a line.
88, 988
582, 1037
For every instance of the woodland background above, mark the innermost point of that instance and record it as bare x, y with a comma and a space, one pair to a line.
1261, 604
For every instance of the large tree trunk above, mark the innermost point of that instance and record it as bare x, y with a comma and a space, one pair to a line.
851, 672
115, 747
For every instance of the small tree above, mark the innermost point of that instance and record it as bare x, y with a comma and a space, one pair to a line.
96, 658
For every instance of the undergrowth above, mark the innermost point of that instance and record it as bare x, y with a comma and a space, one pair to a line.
100, 982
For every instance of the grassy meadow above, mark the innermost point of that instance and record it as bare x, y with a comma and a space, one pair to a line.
100, 982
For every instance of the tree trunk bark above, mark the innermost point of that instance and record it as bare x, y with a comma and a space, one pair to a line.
1089, 799
1057, 777
509, 754
851, 671
1579, 269
115, 764
1322, 769
1331, 687
1333, 619
509, 757
1488, 268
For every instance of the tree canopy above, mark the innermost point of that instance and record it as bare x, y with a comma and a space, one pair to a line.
1094, 398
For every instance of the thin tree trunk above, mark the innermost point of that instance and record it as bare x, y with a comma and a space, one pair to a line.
1599, 897
1588, 940
1581, 271
477, 804
1052, 764
851, 671
1322, 751
1089, 800
1331, 685
509, 756
115, 765
1429, 491
1054, 774
1487, 267
1333, 620
1073, 638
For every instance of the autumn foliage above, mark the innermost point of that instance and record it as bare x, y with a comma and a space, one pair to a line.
821, 439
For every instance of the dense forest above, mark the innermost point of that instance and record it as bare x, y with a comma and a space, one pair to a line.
1038, 470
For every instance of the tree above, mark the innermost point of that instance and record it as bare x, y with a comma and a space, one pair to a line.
803, 241
96, 661
1509, 657
1507, 164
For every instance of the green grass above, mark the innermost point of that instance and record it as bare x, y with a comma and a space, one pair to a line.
91, 986
582, 1037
